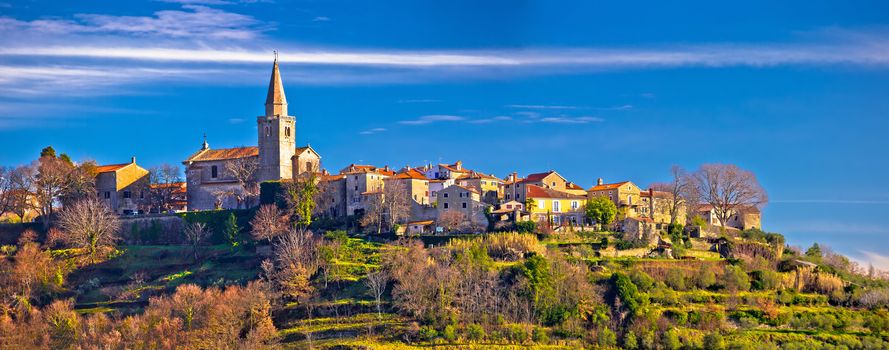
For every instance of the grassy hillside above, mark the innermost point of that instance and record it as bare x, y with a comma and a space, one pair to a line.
564, 291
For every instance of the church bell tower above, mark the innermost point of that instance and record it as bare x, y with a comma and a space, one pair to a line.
277, 133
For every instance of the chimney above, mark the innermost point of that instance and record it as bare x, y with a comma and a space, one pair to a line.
133, 160
600, 182
514, 176
408, 167
386, 168
459, 165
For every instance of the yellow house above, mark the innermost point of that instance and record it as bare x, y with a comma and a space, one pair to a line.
559, 208
487, 185
625, 195
122, 186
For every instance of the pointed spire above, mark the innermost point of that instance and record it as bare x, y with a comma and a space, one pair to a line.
206, 145
276, 102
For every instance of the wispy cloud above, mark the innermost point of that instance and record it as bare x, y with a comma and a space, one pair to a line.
501, 118
321, 19
372, 131
427, 119
199, 2
571, 120
193, 21
235, 120
879, 261
541, 107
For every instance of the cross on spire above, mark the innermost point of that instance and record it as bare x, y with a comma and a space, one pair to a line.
276, 55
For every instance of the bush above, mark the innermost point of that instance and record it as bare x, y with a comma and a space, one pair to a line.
642, 280
765, 280
450, 333
735, 279
540, 336
630, 341
629, 295
675, 279
714, 341
526, 226
475, 332
428, 333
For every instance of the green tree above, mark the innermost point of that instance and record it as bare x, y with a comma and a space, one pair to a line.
671, 339
627, 292
601, 210
232, 230
301, 195
48, 151
630, 342
735, 279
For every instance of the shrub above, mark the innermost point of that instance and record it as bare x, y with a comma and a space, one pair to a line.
475, 332
539, 335
629, 295
675, 279
714, 341
735, 279
765, 280
428, 333
630, 341
642, 280
450, 333
526, 226
705, 277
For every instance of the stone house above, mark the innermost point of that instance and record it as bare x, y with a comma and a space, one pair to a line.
656, 206
332, 201
743, 219
362, 182
488, 185
467, 201
122, 186
625, 195
553, 180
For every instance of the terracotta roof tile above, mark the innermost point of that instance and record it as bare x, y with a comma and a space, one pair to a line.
607, 186
411, 174
224, 153
110, 168
534, 191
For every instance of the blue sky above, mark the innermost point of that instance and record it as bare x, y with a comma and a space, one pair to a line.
795, 91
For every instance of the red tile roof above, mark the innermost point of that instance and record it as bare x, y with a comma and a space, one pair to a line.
538, 176
110, 168
224, 153
607, 186
535, 191
411, 174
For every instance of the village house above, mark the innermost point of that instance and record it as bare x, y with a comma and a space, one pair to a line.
487, 185
546, 205
417, 188
178, 199
209, 182
465, 200
744, 219
445, 171
625, 195
332, 202
122, 186
656, 206
362, 183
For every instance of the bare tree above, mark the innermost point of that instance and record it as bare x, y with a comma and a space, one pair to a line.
164, 182
89, 224
376, 282
52, 177
268, 223
195, 233
728, 189
6, 198
80, 183
450, 219
22, 190
678, 188
243, 170
396, 202
296, 260
374, 212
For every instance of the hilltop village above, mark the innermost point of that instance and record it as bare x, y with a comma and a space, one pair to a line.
419, 199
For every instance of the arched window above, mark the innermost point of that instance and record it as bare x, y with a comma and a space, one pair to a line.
309, 166
287, 131
214, 171
267, 132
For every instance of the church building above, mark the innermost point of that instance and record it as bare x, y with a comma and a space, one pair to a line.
212, 183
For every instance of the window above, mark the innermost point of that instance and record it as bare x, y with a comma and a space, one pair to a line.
287, 131
446, 195
356, 187
141, 194
460, 194
107, 195
554, 184
556, 220
509, 206
507, 196
446, 205
267, 132
629, 199
127, 194
309, 166
541, 204
556, 207
574, 204
214, 171
464, 205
